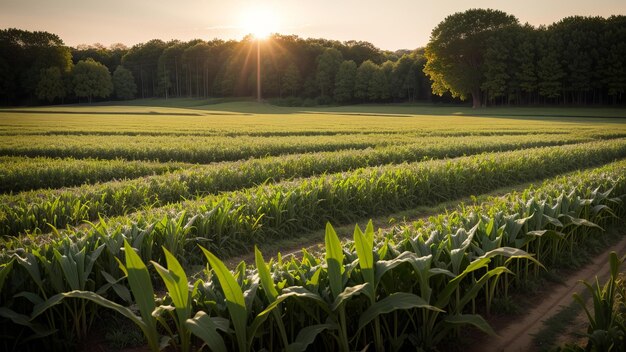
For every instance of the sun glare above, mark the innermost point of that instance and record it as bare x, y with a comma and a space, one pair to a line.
260, 23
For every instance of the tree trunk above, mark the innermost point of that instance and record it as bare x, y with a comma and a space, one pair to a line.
177, 81
141, 78
476, 99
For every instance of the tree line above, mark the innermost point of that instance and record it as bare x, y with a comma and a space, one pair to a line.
489, 56
294, 70
485, 55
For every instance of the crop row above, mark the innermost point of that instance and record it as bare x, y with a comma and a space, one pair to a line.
198, 149
117, 198
21, 174
194, 149
334, 132
235, 221
413, 294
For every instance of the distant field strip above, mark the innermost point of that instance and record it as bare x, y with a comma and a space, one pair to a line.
282, 121
21, 173
233, 221
417, 133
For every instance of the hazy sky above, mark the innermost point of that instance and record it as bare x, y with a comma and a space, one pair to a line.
390, 24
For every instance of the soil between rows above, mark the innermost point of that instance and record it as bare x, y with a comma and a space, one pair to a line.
517, 333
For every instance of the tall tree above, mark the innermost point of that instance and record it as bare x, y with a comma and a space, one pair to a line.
91, 79
344, 82
23, 55
51, 85
550, 72
612, 69
291, 81
498, 57
455, 51
142, 60
327, 66
526, 63
363, 78
124, 83
378, 87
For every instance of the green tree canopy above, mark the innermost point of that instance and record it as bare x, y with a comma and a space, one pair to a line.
378, 87
124, 83
291, 81
344, 82
456, 48
363, 77
50, 84
327, 67
91, 79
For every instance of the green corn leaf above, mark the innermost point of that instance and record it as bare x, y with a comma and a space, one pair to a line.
175, 280
205, 328
261, 317
364, 249
603, 208
31, 297
144, 323
5, 269
474, 290
348, 293
552, 221
382, 266
91, 260
471, 319
121, 290
70, 269
393, 302
301, 292
547, 234
512, 253
307, 335
334, 260
369, 232
581, 222
30, 263
24, 320
444, 295
234, 297
265, 276
140, 284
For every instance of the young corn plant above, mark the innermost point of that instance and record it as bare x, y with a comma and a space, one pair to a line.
607, 322
206, 327
151, 316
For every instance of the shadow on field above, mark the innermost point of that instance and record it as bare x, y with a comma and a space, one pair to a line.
82, 112
249, 107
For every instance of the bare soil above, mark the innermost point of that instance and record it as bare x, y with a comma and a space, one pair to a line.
517, 334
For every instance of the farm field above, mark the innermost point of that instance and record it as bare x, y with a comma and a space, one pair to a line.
134, 208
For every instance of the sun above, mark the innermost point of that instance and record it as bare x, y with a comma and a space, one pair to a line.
259, 22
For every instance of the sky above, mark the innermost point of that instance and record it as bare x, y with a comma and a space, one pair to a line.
388, 24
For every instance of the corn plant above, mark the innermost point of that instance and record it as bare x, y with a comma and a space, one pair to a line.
607, 322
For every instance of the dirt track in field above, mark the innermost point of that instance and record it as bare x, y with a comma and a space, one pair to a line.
519, 334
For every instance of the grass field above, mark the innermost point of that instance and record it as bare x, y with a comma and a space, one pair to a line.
89, 189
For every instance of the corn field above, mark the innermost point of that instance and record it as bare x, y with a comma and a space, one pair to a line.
140, 221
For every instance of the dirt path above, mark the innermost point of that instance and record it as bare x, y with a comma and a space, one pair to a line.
518, 336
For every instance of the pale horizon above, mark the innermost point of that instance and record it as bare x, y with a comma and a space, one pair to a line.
397, 25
